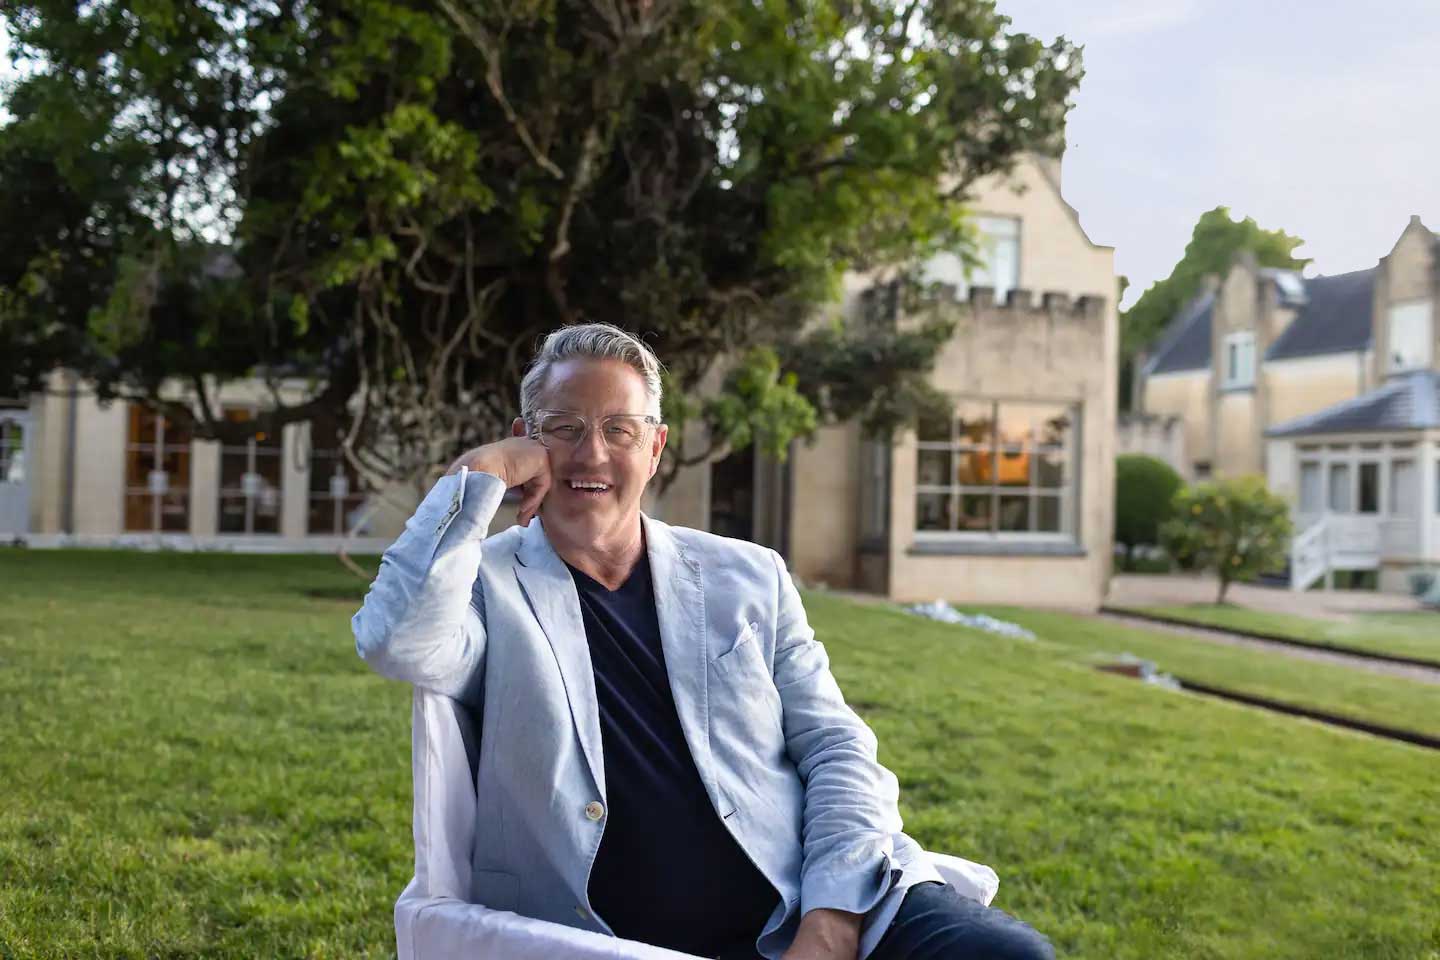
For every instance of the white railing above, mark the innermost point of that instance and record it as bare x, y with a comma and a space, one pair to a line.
1337, 541
1309, 558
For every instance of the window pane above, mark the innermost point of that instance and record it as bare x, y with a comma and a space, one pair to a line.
932, 512
234, 463
934, 468
1047, 514
176, 434
1016, 426
975, 423
142, 424
1369, 488
138, 512
1014, 468
974, 468
975, 511
933, 429
1311, 483
175, 463
232, 513
1014, 514
1339, 499
1404, 488
1050, 470
175, 511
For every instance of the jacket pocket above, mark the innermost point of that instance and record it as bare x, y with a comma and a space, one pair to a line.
495, 889
746, 644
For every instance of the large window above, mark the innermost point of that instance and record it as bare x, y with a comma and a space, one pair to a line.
337, 495
1240, 359
1005, 469
157, 473
250, 480
1412, 336
998, 250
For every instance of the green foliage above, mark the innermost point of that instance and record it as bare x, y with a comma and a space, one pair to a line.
1234, 528
1213, 245
1145, 489
412, 193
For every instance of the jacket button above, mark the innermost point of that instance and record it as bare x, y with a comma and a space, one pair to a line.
594, 810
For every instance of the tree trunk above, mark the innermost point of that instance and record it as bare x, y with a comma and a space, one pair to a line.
1224, 586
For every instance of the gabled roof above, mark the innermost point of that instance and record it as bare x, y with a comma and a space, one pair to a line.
1332, 316
1409, 401
1334, 319
1185, 344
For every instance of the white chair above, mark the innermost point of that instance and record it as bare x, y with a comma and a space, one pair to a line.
434, 921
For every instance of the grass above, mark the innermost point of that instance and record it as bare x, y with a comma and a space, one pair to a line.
1393, 701
1410, 634
197, 765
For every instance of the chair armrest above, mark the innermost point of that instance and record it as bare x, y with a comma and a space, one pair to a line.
437, 928
975, 881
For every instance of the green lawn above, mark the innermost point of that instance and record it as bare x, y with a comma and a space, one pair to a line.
196, 765
1409, 634
1394, 701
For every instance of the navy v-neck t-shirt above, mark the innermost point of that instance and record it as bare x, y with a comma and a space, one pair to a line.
668, 872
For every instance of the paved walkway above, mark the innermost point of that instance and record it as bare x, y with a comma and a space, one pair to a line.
1156, 590
1405, 670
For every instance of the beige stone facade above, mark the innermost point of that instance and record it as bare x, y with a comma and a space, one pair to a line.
1052, 347
1328, 387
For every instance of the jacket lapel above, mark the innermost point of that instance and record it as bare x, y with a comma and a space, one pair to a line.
551, 592
680, 607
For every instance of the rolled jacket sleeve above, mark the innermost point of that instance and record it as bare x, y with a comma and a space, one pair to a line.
423, 617
851, 814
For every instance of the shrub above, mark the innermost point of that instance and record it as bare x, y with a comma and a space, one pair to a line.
1235, 528
1145, 489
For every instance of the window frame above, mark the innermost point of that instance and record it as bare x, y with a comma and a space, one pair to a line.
1237, 345
1423, 311
1066, 497
152, 454
252, 452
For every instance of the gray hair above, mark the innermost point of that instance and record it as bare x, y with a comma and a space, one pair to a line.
599, 341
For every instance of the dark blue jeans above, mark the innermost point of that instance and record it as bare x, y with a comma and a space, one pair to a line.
936, 923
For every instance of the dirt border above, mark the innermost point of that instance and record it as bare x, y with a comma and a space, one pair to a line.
1273, 638
1334, 719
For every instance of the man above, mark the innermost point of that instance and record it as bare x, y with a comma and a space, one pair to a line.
664, 753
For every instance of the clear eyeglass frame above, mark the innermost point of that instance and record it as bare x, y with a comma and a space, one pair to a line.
545, 425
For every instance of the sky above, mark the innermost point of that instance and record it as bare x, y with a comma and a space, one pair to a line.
1318, 117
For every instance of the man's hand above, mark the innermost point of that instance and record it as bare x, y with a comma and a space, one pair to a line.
826, 935
519, 462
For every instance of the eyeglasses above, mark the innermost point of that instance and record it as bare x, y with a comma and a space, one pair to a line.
620, 431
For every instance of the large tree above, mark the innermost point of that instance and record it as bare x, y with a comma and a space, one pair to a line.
1213, 245
396, 199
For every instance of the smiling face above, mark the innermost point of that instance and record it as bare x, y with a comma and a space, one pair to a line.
597, 489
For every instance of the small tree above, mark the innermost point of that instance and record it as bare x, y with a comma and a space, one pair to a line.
1145, 489
1236, 528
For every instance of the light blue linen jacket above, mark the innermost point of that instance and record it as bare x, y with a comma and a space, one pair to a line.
495, 622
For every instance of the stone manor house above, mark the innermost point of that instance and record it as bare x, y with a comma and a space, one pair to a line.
1011, 493
1329, 387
